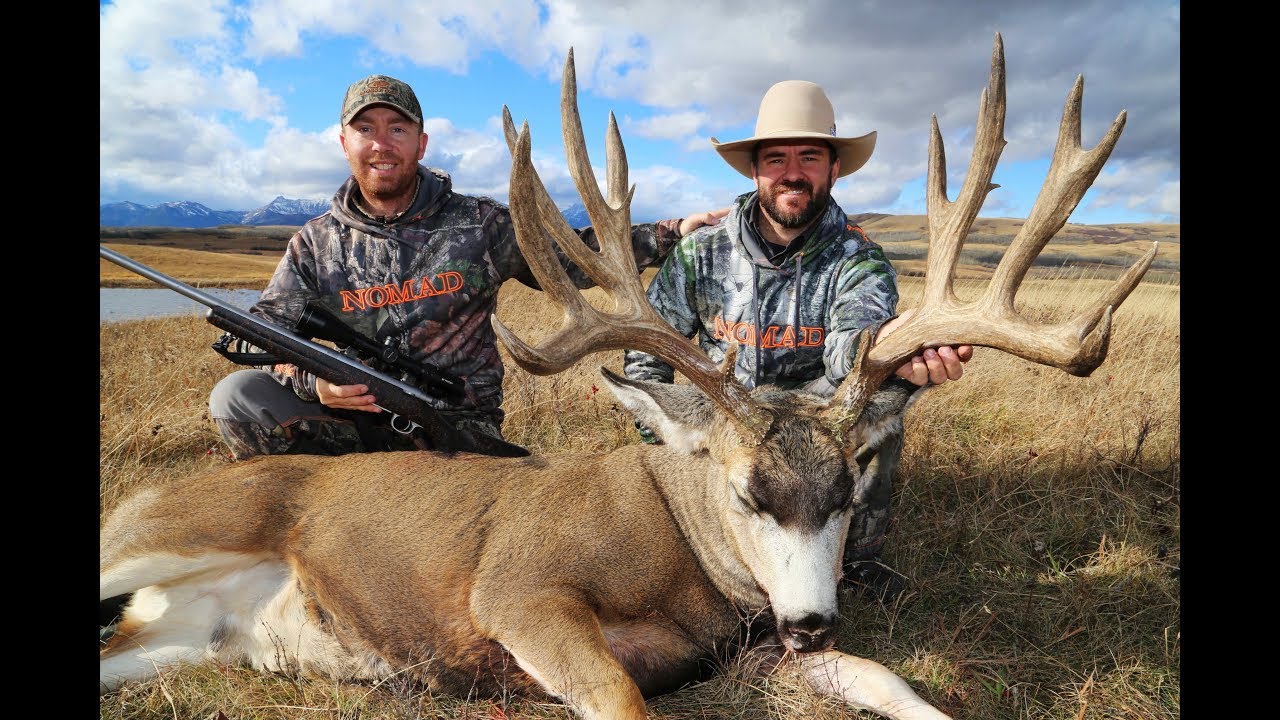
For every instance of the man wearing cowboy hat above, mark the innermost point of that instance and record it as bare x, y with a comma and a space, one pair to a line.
787, 275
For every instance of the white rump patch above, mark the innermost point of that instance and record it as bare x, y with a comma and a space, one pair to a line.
225, 607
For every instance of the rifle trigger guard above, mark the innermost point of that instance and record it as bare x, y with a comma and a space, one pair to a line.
402, 424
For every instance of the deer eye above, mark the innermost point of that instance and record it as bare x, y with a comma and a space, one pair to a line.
845, 504
744, 503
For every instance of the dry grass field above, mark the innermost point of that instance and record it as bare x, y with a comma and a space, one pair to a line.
1037, 518
1097, 250
201, 268
1102, 250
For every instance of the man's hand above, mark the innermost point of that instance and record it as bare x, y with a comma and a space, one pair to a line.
345, 397
933, 365
697, 220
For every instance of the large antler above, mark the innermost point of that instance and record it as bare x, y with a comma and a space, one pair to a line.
1077, 345
633, 324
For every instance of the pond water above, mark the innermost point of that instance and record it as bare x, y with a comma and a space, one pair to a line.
118, 304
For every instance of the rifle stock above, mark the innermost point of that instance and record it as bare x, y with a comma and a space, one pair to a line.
394, 396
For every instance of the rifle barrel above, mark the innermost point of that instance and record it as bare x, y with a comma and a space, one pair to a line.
212, 302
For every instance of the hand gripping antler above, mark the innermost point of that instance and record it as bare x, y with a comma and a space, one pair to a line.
1077, 345
633, 324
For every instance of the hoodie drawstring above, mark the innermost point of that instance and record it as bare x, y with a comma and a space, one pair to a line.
795, 301
755, 315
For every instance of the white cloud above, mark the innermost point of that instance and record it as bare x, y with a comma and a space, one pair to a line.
175, 74
672, 126
156, 30
1140, 185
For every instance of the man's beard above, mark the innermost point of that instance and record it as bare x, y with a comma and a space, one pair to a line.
385, 189
818, 200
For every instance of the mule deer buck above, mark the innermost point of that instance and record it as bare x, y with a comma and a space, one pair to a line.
597, 580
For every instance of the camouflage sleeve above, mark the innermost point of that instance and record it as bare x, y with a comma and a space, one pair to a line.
651, 242
281, 303
672, 295
866, 296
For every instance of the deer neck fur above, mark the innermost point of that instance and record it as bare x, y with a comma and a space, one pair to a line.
695, 489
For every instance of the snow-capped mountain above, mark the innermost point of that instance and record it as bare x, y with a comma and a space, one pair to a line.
170, 214
186, 214
577, 216
283, 211
280, 211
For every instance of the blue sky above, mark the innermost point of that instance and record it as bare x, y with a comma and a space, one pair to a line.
231, 103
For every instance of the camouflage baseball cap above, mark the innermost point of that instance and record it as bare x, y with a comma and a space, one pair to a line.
380, 90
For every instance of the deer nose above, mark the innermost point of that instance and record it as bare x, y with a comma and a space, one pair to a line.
811, 633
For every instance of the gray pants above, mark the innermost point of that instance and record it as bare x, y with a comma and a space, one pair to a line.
259, 415
872, 494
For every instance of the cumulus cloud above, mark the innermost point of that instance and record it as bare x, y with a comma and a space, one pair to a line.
180, 80
671, 126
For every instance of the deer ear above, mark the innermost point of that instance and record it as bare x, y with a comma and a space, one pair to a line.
679, 414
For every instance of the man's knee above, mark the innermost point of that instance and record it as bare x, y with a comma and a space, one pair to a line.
302, 436
251, 395
226, 398
251, 409
475, 423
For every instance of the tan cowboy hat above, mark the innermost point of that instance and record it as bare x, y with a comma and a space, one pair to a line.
797, 109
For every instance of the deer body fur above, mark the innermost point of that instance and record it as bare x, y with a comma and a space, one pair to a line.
598, 580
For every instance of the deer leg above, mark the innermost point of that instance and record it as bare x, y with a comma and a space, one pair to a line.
865, 685
153, 635
208, 614
560, 644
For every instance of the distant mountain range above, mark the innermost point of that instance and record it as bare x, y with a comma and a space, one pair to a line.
187, 214
281, 211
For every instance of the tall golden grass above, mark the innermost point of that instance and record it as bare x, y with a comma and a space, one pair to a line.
1037, 517
202, 268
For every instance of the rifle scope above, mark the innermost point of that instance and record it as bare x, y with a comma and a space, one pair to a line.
318, 321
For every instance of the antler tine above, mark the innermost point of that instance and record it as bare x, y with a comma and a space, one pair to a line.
551, 217
949, 222
526, 193
615, 161
546, 206
1071, 172
633, 324
610, 219
1078, 345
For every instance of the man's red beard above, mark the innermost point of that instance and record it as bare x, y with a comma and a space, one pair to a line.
387, 188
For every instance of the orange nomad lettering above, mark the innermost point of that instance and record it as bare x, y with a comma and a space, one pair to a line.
379, 295
773, 336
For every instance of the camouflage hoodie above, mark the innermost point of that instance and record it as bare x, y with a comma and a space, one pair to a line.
798, 320
427, 282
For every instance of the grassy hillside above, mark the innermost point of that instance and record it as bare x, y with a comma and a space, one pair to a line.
200, 268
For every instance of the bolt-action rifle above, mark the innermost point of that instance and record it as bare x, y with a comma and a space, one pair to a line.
409, 406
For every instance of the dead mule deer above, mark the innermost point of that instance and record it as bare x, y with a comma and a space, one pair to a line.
595, 579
